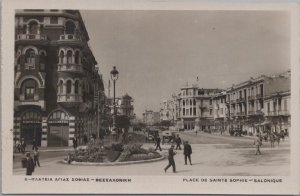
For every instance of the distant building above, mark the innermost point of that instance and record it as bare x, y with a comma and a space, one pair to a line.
220, 111
57, 86
168, 110
124, 106
151, 118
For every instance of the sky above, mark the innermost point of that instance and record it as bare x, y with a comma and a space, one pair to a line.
158, 52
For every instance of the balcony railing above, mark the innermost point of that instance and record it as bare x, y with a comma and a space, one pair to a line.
33, 99
251, 97
240, 113
70, 67
69, 98
71, 37
258, 96
31, 37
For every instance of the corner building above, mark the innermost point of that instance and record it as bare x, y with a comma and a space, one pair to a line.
57, 86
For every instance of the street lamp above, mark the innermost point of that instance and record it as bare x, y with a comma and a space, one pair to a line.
114, 76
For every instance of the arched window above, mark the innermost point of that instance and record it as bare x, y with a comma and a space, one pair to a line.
42, 60
69, 86
61, 57
77, 57
70, 28
60, 87
28, 88
76, 87
33, 27
30, 59
69, 57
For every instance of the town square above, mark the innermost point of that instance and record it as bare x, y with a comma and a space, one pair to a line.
151, 93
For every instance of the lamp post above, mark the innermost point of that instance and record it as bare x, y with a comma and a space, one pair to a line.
114, 76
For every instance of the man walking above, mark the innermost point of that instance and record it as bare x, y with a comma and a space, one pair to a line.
171, 159
36, 157
187, 151
257, 143
29, 164
157, 140
178, 142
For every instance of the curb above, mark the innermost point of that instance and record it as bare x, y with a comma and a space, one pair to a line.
113, 163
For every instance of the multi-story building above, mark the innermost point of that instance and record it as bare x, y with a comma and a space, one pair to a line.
196, 108
56, 81
151, 118
246, 101
168, 110
220, 111
123, 106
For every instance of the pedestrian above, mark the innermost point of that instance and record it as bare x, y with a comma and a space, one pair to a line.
272, 140
74, 142
85, 139
36, 156
178, 142
29, 164
18, 146
171, 159
257, 143
23, 145
157, 141
34, 144
187, 151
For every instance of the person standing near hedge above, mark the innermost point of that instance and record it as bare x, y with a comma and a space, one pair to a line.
171, 159
157, 140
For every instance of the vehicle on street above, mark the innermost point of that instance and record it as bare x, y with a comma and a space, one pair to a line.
168, 135
150, 134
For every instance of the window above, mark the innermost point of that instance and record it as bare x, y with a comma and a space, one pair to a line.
30, 59
61, 57
29, 88
76, 87
210, 102
69, 86
194, 102
77, 57
42, 60
285, 105
183, 102
194, 111
69, 57
268, 107
33, 28
210, 111
60, 87
70, 28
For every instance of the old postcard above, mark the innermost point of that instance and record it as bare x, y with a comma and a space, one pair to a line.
149, 97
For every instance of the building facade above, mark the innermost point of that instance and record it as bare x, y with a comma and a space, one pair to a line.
123, 105
57, 86
196, 109
168, 110
151, 118
249, 103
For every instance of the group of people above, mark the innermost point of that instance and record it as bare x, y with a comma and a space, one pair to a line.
187, 151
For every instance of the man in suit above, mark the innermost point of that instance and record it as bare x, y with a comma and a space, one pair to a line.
29, 164
157, 141
171, 159
187, 151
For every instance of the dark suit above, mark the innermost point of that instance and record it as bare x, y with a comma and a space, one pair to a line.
187, 151
171, 160
29, 166
157, 143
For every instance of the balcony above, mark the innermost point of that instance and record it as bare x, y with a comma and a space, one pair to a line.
31, 37
283, 113
69, 37
251, 97
70, 68
259, 96
34, 98
240, 114
241, 99
70, 98
23, 101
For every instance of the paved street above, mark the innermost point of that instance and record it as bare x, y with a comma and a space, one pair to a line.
212, 155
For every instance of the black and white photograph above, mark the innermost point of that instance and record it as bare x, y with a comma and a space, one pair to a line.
103, 97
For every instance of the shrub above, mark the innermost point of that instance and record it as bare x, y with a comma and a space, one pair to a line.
113, 155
